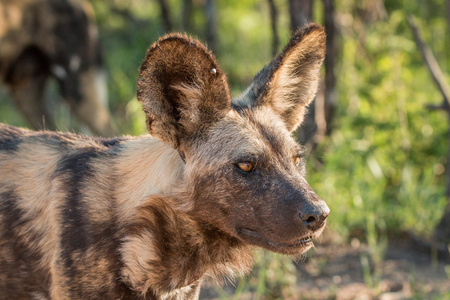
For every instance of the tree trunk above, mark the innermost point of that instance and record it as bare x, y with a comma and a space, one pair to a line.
165, 16
448, 15
211, 25
330, 97
274, 26
326, 100
300, 12
186, 17
372, 11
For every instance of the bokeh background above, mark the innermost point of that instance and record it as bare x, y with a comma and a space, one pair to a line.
376, 152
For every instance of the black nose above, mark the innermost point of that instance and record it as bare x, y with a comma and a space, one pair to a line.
315, 215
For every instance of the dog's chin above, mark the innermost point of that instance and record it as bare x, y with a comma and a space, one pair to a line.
293, 247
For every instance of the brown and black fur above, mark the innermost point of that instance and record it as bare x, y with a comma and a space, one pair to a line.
151, 217
44, 39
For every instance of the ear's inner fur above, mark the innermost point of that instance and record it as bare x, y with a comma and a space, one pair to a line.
180, 94
289, 83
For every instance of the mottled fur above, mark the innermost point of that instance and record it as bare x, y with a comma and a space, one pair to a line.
151, 217
43, 39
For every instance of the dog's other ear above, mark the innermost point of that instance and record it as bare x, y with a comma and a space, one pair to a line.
289, 83
181, 88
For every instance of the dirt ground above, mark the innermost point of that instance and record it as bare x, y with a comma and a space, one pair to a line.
344, 271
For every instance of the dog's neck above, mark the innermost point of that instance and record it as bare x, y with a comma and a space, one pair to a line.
167, 250
145, 166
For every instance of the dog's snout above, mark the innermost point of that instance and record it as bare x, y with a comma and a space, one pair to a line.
314, 216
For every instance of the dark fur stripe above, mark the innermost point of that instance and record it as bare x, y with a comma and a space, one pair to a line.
9, 138
9, 144
109, 143
81, 233
11, 214
18, 267
75, 170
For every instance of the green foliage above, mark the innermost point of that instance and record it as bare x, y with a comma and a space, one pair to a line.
385, 158
273, 277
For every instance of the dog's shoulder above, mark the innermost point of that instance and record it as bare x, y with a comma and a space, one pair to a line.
11, 137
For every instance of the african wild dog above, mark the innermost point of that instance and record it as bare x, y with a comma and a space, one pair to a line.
152, 217
41, 39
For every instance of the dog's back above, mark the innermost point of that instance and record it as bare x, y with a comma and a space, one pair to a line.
60, 195
38, 225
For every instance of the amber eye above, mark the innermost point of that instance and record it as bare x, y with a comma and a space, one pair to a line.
245, 166
297, 160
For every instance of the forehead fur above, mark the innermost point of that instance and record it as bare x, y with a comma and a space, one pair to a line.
252, 133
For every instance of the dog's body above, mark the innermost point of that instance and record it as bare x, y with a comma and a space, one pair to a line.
146, 218
82, 231
43, 39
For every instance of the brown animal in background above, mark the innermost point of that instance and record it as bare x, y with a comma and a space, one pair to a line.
151, 217
41, 39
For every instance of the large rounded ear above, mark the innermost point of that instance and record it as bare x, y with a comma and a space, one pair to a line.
181, 88
289, 83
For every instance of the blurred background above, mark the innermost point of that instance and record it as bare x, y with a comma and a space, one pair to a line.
377, 137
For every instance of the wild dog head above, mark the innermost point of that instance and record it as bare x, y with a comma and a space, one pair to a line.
244, 171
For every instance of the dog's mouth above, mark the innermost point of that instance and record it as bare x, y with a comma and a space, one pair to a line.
294, 247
